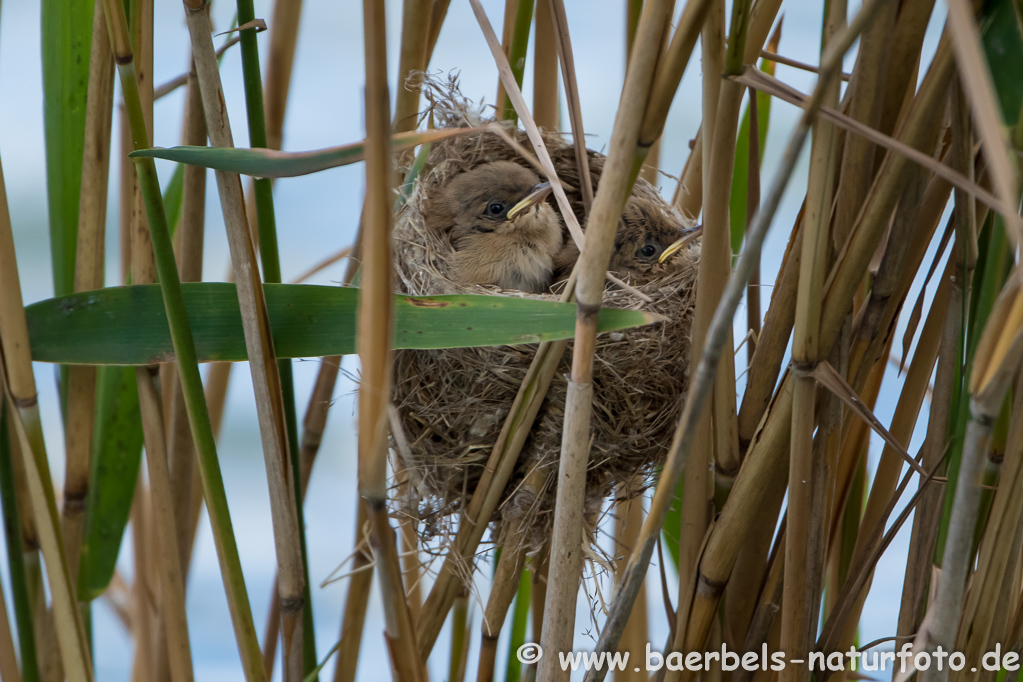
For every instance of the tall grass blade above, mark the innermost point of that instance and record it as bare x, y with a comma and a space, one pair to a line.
270, 163
15, 556
262, 190
737, 204
183, 343
66, 44
126, 326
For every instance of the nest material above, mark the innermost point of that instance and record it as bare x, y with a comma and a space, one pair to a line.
452, 403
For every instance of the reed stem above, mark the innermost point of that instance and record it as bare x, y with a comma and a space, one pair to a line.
616, 182
184, 351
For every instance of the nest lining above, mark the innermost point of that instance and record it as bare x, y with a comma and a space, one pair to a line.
452, 403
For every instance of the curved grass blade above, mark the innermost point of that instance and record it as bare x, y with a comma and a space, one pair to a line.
740, 176
15, 557
1003, 47
67, 41
128, 326
269, 163
117, 453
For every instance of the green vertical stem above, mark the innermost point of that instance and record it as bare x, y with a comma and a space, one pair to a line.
520, 618
66, 44
67, 40
517, 57
270, 259
184, 351
989, 276
15, 558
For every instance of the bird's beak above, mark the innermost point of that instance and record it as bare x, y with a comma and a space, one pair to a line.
676, 246
538, 194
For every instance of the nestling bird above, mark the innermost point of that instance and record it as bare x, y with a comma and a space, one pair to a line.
648, 235
502, 230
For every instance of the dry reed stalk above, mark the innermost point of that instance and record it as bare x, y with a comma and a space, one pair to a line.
524, 409
142, 617
33, 480
171, 643
964, 254
126, 181
689, 193
919, 126
877, 335
180, 449
174, 624
865, 105
688, 197
772, 55
885, 482
459, 656
89, 259
140, 19
181, 80
653, 157
975, 78
265, 375
440, 10
723, 546
926, 519
507, 32
846, 521
808, 497
996, 364
408, 536
407, 100
904, 53
354, 616
8, 656
412, 59
575, 114
753, 200
374, 337
764, 619
671, 68
998, 552
502, 594
616, 181
855, 432
280, 60
545, 68
216, 398
183, 345
628, 523
715, 266
262, 223
752, 567
399, 633
859, 573
538, 597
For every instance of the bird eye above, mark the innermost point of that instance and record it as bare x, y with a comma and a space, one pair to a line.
495, 208
647, 251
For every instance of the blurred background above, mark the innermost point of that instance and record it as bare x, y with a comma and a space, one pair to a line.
317, 215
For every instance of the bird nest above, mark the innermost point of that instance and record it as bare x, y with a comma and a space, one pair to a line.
453, 403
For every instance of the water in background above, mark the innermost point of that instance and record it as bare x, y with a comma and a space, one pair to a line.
317, 215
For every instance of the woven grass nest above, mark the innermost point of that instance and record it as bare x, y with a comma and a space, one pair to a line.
453, 403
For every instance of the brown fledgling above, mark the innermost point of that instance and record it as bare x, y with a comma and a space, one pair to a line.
502, 230
648, 235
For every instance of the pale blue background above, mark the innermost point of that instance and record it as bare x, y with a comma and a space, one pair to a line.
317, 215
